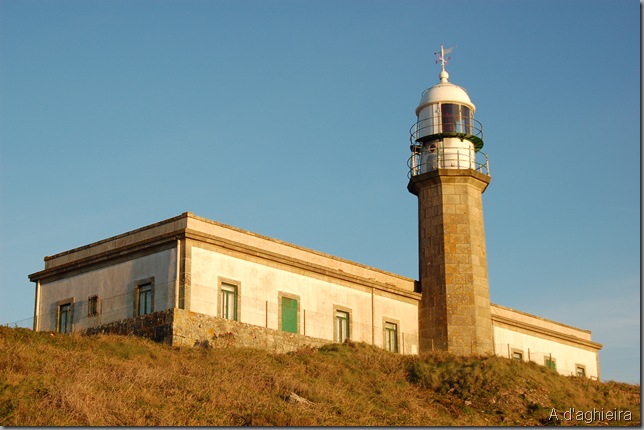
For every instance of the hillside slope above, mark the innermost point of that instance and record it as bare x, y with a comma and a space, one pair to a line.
51, 379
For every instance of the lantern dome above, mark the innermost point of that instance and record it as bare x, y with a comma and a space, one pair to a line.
444, 92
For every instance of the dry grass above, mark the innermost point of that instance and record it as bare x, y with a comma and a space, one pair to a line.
56, 380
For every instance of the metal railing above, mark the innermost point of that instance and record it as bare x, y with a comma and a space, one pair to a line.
423, 162
437, 127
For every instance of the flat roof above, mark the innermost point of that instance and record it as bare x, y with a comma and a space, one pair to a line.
188, 223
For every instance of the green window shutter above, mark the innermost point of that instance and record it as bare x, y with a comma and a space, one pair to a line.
289, 315
551, 364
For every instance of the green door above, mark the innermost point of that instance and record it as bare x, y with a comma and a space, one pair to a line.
289, 315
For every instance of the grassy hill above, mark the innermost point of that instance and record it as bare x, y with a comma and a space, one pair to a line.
51, 379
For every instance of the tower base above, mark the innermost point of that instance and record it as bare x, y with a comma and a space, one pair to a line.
454, 313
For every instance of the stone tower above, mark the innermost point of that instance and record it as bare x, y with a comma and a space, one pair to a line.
454, 313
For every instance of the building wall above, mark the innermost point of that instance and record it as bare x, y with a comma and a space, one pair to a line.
261, 285
539, 339
237, 242
115, 285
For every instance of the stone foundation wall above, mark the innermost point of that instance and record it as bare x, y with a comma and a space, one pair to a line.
185, 328
195, 329
156, 326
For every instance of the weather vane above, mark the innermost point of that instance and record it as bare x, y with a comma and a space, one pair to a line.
441, 56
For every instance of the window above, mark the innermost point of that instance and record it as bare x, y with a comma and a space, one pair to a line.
65, 318
93, 306
456, 118
580, 370
341, 326
467, 120
289, 314
450, 114
144, 299
550, 363
228, 301
517, 355
391, 336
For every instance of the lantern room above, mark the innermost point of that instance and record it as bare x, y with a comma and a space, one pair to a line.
446, 135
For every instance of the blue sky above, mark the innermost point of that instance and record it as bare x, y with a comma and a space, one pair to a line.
291, 119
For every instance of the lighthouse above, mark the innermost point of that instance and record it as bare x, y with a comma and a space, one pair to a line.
449, 173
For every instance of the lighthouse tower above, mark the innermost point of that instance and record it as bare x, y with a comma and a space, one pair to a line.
449, 174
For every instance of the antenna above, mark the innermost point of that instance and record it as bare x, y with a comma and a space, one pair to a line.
441, 56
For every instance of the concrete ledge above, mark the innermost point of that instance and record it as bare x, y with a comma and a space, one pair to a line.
544, 333
448, 176
396, 285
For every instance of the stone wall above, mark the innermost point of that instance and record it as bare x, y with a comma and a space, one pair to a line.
156, 326
195, 329
184, 328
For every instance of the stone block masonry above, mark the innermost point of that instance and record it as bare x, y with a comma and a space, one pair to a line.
191, 328
184, 328
454, 313
156, 326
